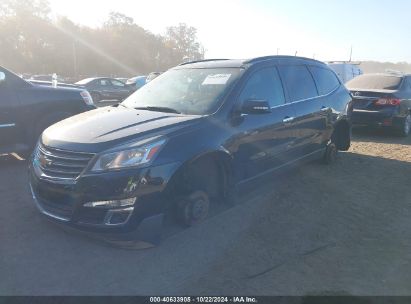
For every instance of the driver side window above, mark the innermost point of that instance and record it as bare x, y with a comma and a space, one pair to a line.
265, 84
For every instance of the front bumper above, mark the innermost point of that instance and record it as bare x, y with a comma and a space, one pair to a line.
382, 118
63, 203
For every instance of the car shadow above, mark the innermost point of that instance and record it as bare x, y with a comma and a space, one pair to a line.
338, 227
379, 135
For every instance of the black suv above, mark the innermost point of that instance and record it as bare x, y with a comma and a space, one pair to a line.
382, 100
26, 109
198, 132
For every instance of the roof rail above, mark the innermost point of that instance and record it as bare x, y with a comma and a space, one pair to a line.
202, 60
257, 59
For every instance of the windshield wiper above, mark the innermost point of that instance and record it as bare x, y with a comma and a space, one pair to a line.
159, 109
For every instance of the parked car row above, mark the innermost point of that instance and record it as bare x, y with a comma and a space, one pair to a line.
26, 109
102, 88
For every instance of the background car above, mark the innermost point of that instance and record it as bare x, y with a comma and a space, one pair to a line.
346, 70
27, 109
152, 76
382, 100
106, 89
46, 78
137, 81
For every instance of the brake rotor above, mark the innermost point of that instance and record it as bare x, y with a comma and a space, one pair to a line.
194, 208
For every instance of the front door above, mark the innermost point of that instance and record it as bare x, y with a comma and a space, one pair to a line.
262, 142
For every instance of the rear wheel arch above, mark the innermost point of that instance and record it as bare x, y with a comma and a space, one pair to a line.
341, 135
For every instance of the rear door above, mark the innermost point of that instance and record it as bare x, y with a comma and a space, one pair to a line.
328, 86
8, 111
303, 95
263, 141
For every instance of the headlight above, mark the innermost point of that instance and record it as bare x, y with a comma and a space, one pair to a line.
130, 157
88, 100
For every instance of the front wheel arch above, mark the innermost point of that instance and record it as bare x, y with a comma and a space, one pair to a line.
180, 184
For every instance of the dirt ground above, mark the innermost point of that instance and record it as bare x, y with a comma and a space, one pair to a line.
336, 230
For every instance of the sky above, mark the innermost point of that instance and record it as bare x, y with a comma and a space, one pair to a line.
376, 29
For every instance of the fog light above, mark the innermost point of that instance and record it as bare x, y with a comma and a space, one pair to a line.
118, 217
112, 204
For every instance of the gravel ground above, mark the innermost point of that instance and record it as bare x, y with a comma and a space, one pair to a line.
336, 230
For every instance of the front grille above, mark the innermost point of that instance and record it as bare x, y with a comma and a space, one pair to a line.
54, 203
61, 164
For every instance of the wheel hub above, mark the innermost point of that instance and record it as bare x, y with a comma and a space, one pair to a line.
194, 208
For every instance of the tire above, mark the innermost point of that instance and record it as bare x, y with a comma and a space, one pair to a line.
330, 155
405, 127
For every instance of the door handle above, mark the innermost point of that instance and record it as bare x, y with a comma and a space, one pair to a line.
288, 119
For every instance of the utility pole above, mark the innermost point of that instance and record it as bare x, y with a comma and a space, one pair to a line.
351, 54
75, 60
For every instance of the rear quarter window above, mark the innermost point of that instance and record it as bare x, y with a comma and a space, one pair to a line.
298, 81
325, 79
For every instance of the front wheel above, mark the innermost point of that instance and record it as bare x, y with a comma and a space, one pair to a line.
405, 126
193, 209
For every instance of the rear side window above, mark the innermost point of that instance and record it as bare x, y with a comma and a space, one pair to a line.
299, 82
104, 82
326, 80
264, 84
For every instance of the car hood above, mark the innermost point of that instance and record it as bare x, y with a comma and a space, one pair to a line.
103, 128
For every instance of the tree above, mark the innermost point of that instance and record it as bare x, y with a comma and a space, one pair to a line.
30, 42
182, 39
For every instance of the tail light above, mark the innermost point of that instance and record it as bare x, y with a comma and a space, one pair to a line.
388, 102
88, 100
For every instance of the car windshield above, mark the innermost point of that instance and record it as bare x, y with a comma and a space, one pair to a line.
187, 91
375, 82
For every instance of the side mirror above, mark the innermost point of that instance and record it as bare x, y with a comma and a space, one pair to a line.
255, 106
2, 77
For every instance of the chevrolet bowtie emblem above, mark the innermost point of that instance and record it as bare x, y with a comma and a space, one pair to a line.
44, 161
